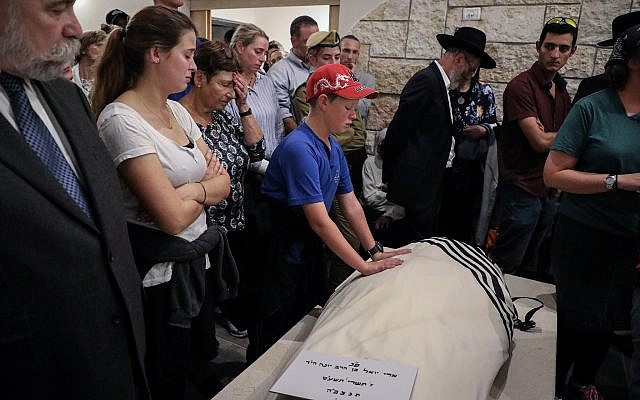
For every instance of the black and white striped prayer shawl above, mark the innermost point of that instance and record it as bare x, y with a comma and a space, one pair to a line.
446, 310
487, 273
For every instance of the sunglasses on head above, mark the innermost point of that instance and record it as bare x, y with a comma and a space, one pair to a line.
562, 21
226, 51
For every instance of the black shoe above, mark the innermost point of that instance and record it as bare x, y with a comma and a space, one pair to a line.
230, 327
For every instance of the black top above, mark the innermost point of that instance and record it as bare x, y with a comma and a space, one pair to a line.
589, 86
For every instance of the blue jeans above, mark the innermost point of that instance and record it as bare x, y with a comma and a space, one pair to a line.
525, 220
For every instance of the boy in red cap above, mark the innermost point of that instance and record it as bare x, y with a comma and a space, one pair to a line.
305, 172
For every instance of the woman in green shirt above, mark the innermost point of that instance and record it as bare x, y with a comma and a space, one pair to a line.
595, 161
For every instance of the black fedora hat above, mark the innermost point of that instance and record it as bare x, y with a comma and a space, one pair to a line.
470, 39
620, 24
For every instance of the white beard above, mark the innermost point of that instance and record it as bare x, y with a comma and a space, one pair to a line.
17, 52
456, 80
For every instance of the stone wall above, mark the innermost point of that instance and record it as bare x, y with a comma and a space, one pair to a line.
399, 39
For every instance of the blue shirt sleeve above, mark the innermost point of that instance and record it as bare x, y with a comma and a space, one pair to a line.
301, 176
280, 77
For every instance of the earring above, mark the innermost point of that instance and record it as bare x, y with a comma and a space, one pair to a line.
156, 61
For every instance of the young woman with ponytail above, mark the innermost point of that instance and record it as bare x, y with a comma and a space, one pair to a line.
168, 175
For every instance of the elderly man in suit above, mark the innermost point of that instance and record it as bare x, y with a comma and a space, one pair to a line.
418, 146
71, 323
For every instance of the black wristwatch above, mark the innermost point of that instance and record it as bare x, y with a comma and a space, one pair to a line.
611, 182
377, 248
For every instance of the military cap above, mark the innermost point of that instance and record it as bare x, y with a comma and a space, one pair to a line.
323, 39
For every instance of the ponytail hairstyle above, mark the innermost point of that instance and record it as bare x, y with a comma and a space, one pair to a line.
123, 59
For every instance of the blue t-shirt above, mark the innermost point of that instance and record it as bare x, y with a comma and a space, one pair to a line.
302, 170
604, 140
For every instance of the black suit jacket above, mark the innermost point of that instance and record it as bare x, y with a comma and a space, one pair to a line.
71, 323
418, 142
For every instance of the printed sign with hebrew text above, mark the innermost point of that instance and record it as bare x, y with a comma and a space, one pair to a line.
321, 376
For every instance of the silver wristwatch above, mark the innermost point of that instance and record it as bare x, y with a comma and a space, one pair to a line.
611, 182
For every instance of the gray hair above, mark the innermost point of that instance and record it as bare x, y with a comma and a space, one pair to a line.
16, 49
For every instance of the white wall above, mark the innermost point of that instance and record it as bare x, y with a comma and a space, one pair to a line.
351, 11
91, 13
275, 21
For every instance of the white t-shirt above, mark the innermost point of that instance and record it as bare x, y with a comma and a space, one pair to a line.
127, 135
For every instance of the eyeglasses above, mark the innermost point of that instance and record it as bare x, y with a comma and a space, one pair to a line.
563, 21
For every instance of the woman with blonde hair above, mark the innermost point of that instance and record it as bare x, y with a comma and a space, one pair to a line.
168, 176
250, 45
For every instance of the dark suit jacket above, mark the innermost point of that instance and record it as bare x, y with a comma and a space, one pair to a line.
71, 323
418, 141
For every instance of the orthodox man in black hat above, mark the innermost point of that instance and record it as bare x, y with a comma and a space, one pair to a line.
418, 146
598, 82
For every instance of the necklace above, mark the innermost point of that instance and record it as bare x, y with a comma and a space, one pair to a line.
251, 80
159, 115
202, 117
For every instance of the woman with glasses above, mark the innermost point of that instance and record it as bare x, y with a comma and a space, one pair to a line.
236, 145
594, 161
168, 176
216, 82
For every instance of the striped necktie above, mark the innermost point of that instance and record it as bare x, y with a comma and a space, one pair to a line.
39, 138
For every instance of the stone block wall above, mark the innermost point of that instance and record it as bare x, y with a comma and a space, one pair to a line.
399, 39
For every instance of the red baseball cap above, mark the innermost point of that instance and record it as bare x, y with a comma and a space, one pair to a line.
339, 80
